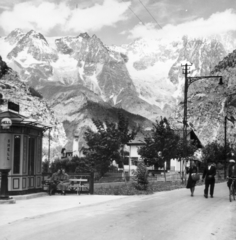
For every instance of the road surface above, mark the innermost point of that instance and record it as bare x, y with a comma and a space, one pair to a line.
172, 215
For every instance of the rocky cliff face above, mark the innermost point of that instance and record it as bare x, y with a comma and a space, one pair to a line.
209, 102
32, 44
144, 77
14, 36
32, 106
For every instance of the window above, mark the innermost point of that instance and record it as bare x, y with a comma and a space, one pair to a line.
31, 154
17, 153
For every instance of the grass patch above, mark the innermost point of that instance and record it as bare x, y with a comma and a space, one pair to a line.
153, 187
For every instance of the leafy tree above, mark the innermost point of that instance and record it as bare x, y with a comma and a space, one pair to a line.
107, 143
215, 151
163, 139
82, 165
102, 145
190, 148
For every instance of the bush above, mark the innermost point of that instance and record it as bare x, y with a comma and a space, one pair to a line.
76, 165
127, 190
141, 176
113, 168
45, 166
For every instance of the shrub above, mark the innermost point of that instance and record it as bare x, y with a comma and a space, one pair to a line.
113, 168
141, 176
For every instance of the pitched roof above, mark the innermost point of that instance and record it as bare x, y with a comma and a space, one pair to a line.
22, 120
139, 139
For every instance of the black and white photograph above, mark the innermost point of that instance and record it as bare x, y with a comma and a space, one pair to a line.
118, 119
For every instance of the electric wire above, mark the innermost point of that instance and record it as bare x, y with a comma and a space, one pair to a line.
150, 14
135, 15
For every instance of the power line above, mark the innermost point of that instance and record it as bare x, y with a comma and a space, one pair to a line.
135, 15
150, 14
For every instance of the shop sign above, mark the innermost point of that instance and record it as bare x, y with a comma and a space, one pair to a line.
6, 151
6, 123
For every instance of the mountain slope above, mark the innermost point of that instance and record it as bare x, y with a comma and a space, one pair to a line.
32, 106
143, 77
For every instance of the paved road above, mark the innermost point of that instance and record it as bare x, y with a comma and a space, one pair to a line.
167, 215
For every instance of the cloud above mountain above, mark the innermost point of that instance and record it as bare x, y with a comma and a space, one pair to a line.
46, 16
217, 23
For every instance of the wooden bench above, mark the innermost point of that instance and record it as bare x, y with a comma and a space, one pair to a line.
79, 187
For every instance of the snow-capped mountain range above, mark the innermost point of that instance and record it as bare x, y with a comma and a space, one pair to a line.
77, 73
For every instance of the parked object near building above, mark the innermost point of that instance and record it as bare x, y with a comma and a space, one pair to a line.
21, 153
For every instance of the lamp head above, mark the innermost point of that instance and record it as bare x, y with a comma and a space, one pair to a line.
221, 81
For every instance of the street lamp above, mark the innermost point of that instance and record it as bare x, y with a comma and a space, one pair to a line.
231, 119
188, 81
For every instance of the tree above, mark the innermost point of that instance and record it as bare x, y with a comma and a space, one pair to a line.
107, 143
82, 165
163, 139
215, 151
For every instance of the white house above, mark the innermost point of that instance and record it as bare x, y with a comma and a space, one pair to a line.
175, 165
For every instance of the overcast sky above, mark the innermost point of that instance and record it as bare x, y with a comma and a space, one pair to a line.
119, 21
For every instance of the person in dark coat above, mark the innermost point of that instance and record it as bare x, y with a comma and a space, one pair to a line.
55, 179
231, 172
209, 176
191, 183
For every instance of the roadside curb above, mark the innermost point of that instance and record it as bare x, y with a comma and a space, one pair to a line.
29, 196
8, 201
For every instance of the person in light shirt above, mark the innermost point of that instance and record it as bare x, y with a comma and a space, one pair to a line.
209, 176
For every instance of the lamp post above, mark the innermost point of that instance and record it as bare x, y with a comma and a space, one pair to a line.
232, 119
188, 81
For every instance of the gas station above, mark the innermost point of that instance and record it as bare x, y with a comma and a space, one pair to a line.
20, 154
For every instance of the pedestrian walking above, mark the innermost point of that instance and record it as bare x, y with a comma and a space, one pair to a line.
192, 180
231, 172
209, 176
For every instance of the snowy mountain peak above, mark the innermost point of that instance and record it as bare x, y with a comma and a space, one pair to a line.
14, 36
84, 35
33, 44
36, 35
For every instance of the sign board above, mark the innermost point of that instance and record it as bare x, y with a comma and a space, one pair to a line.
13, 106
6, 123
5, 150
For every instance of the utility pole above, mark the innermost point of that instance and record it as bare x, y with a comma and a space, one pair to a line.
49, 144
185, 117
187, 82
232, 119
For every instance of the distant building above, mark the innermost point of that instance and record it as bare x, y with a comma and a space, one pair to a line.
173, 165
75, 148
